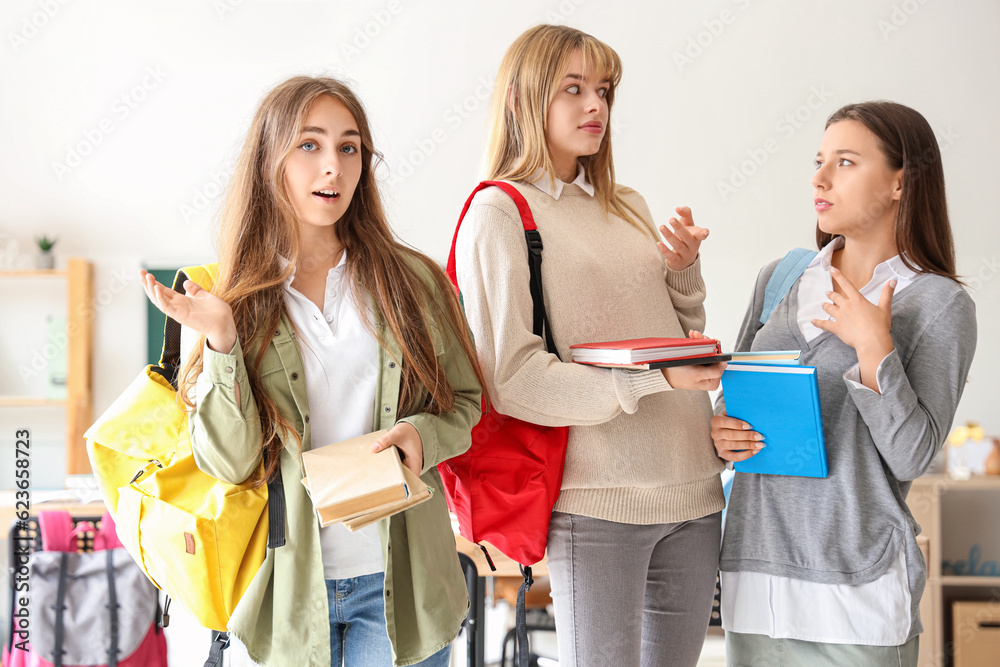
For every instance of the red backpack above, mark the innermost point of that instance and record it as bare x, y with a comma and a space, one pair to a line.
504, 487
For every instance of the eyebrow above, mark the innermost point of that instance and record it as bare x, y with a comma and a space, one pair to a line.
841, 151
578, 77
320, 130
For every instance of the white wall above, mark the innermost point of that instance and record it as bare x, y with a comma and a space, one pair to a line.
158, 95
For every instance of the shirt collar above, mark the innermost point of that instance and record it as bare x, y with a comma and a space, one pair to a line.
284, 262
540, 179
893, 265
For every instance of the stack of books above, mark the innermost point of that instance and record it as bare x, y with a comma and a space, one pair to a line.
780, 400
349, 484
649, 353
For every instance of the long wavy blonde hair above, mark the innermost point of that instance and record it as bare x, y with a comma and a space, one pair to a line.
259, 228
528, 80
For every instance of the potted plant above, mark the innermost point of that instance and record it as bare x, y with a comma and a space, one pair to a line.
45, 258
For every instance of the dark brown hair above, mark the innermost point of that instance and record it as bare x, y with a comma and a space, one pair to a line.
923, 232
259, 228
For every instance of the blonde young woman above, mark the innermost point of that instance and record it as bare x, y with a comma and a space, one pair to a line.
323, 327
634, 542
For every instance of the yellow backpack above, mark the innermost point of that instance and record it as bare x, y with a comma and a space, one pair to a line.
199, 539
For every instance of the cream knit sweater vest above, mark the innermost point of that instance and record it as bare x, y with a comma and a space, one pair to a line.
639, 452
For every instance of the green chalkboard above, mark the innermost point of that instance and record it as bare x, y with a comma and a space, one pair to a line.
155, 319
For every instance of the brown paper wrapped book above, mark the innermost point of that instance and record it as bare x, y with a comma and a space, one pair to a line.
351, 485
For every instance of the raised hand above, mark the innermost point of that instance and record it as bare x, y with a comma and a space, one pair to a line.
199, 309
858, 323
685, 239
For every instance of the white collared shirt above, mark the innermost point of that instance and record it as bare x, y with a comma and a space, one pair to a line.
540, 179
873, 614
340, 363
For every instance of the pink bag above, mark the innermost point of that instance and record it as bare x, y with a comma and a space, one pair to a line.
84, 609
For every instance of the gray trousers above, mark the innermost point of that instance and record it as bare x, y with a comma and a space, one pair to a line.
746, 650
631, 596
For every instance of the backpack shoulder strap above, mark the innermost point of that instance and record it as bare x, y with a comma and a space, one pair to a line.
170, 354
106, 537
785, 274
540, 321
56, 528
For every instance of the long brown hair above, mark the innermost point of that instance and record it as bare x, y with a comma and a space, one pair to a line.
259, 228
923, 232
528, 80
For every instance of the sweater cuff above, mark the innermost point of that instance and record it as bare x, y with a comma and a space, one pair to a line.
897, 400
688, 281
632, 385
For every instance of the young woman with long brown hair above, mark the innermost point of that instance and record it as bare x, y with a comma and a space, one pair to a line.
828, 571
322, 327
634, 540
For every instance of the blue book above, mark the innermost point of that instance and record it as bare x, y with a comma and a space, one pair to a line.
782, 404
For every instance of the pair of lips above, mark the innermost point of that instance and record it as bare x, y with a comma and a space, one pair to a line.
327, 194
821, 204
593, 127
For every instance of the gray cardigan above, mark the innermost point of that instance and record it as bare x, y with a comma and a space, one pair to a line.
849, 527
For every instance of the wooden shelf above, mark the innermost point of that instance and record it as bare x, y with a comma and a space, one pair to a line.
33, 273
79, 276
30, 401
944, 483
927, 495
987, 582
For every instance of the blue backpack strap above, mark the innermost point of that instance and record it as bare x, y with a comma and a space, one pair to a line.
785, 274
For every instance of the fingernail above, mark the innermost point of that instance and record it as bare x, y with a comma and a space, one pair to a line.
760, 445
746, 427
758, 437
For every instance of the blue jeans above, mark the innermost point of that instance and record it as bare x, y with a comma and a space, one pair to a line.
358, 635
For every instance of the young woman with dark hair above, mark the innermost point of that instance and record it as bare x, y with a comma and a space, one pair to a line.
827, 571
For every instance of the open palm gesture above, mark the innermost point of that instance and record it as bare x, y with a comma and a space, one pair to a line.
198, 309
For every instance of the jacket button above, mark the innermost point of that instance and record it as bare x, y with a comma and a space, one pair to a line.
388, 409
307, 419
388, 593
229, 369
295, 376
392, 364
277, 333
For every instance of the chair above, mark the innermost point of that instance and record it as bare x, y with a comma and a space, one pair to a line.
535, 603
474, 630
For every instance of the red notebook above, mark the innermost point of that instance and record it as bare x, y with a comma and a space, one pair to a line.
647, 351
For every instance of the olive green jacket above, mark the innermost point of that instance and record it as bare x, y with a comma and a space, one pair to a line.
283, 618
